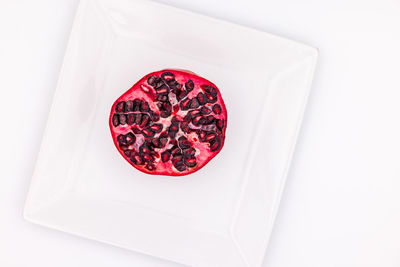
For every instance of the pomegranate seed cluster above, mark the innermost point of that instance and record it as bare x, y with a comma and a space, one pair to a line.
171, 122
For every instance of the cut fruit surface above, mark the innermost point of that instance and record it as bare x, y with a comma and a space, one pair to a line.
171, 122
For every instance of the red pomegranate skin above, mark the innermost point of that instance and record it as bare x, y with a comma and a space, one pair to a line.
171, 122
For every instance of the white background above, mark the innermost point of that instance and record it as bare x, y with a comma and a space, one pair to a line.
341, 205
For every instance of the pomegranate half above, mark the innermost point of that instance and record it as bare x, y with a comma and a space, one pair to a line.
171, 122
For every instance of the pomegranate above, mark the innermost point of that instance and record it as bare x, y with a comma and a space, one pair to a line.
171, 122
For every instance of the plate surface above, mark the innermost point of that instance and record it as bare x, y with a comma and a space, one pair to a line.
221, 215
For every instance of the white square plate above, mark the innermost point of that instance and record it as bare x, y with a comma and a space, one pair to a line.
223, 214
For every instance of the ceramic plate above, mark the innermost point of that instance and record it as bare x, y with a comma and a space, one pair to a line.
221, 215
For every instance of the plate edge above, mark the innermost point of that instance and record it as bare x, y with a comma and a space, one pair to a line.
75, 23
295, 139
